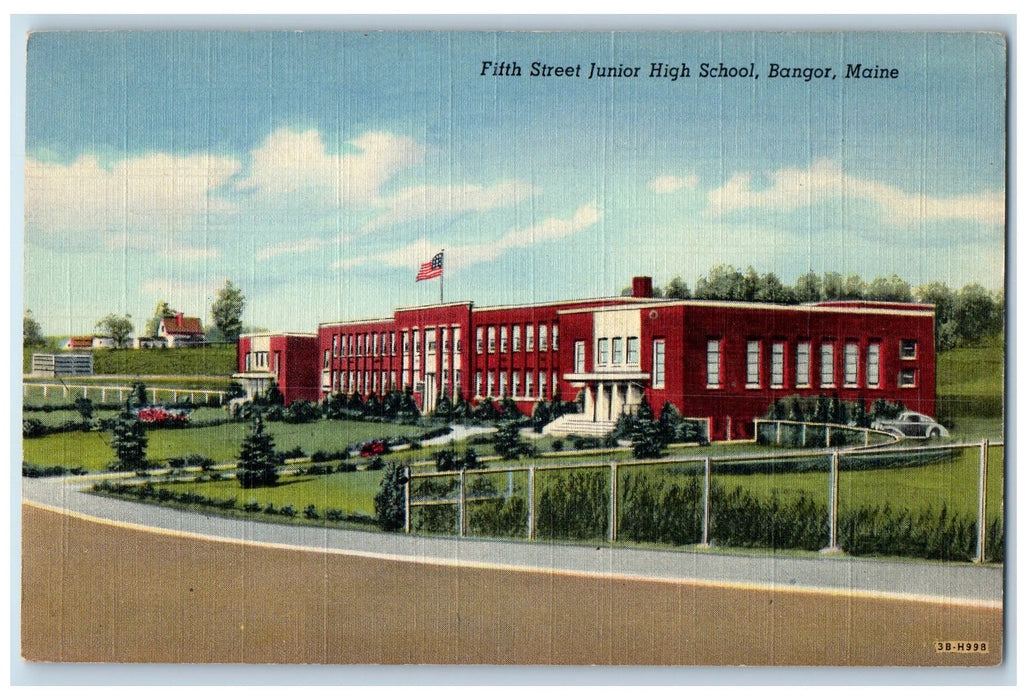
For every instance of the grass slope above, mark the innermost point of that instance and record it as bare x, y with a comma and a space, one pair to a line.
209, 360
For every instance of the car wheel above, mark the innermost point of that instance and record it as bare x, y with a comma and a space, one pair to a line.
933, 434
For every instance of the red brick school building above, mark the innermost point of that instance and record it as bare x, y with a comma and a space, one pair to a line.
724, 362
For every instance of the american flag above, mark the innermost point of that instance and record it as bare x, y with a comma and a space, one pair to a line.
430, 269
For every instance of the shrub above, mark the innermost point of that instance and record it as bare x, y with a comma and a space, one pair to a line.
251, 506
258, 462
507, 441
310, 512
345, 467
557, 445
288, 510
574, 506
334, 515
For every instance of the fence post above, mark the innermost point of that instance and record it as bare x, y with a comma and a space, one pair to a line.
832, 508
154, 395
613, 501
531, 503
779, 432
866, 437
803, 434
982, 502
706, 483
462, 524
827, 436
406, 501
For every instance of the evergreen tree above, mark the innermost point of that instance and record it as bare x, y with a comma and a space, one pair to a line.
372, 406
272, 395
128, 438
507, 441
646, 435
444, 407
138, 395
540, 415
258, 462
390, 501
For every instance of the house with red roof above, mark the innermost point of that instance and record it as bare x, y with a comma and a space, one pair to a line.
181, 331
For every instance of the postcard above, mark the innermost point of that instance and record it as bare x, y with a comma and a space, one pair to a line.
679, 349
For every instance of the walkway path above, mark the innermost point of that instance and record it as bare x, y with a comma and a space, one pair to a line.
980, 586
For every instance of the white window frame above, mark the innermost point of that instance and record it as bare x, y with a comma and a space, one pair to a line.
579, 357
851, 376
714, 366
529, 338
802, 365
911, 384
492, 339
659, 363
777, 365
753, 357
827, 365
903, 355
502, 339
874, 364
543, 337
603, 352
517, 338
617, 351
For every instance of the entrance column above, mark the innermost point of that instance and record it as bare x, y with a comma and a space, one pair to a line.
601, 406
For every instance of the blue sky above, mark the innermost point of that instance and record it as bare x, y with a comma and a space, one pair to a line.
318, 170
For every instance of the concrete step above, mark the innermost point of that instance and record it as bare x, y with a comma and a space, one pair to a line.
576, 424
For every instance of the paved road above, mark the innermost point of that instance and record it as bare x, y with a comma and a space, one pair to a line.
966, 584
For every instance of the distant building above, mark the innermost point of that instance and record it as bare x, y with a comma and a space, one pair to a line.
181, 331
62, 364
104, 341
149, 343
78, 342
719, 361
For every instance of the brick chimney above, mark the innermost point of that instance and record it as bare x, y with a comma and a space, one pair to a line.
179, 315
642, 287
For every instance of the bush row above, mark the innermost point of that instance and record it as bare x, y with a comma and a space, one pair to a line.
35, 470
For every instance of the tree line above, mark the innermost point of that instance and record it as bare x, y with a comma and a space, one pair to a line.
963, 317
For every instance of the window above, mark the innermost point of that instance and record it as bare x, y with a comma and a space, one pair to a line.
579, 358
874, 364
603, 351
456, 339
907, 350
528, 383
777, 365
827, 365
491, 384
659, 349
502, 339
543, 343
492, 339
554, 385
392, 380
802, 364
529, 337
335, 346
712, 363
851, 364
429, 341
248, 363
444, 337
502, 383
417, 345
516, 338
752, 363
392, 342
556, 338
516, 388
352, 382
633, 351
480, 343
907, 378
542, 384
617, 355
406, 344
477, 383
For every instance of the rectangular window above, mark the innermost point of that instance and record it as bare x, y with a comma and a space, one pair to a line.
406, 343
249, 355
492, 339
477, 383
516, 388
502, 383
352, 382
777, 365
851, 364
827, 365
529, 338
502, 339
659, 349
556, 338
712, 364
542, 385
429, 341
554, 385
335, 346
529, 384
543, 342
874, 364
385, 347
579, 358
392, 380
603, 351
392, 342
752, 363
444, 338
802, 364
374, 383
456, 339
632, 357
617, 351
517, 338
907, 350
490, 387
907, 378
480, 344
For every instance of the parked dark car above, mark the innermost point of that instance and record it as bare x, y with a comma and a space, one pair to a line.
912, 425
372, 448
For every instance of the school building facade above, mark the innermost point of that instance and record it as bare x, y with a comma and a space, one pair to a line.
723, 362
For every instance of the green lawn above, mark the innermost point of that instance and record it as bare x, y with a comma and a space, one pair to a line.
220, 443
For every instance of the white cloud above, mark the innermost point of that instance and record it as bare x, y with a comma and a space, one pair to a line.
457, 257
290, 248
666, 184
191, 297
424, 200
298, 162
792, 188
158, 192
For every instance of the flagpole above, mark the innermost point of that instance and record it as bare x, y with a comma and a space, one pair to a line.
442, 274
